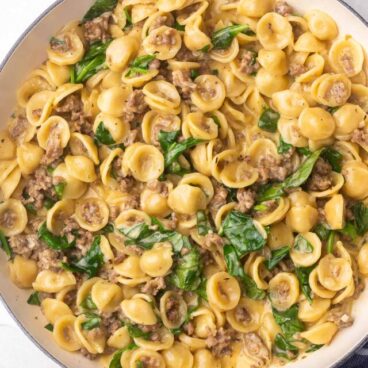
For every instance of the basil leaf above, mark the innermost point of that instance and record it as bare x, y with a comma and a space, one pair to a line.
330, 242
59, 189
302, 245
49, 327
92, 63
34, 299
222, 38
302, 274
140, 65
4, 245
103, 135
283, 147
203, 224
98, 8
241, 232
360, 212
235, 269
93, 321
284, 348
88, 303
288, 321
53, 241
268, 120
322, 231
187, 273
277, 256
134, 332
90, 263
334, 158
115, 361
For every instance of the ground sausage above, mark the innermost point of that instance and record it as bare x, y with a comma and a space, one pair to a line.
218, 200
19, 127
270, 168
153, 286
221, 343
182, 80
98, 29
248, 62
321, 176
25, 245
255, 346
360, 136
54, 150
296, 69
246, 199
337, 92
165, 38
283, 8
213, 240
135, 106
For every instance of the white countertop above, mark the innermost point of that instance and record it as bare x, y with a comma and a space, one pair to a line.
16, 350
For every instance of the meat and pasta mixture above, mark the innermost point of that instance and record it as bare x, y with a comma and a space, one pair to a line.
184, 183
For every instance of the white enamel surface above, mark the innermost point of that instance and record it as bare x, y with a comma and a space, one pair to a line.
27, 56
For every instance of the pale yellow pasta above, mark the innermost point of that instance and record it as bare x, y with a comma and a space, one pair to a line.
23, 272
29, 157
54, 309
139, 311
289, 104
13, 217
157, 261
92, 342
362, 259
274, 61
178, 356
284, 290
65, 335
320, 334
92, 214
335, 212
356, 176
187, 199
56, 216
172, 320
255, 8
81, 168
268, 83
312, 312
111, 101
321, 25
51, 282
119, 339
306, 257
106, 296
194, 37
120, 52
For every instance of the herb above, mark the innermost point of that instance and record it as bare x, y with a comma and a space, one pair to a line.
223, 38
260, 207
109, 228
98, 8
314, 347
235, 269
203, 224
88, 303
34, 299
178, 26
322, 231
333, 157
59, 189
93, 321
241, 232
115, 361
216, 120
283, 147
31, 208
4, 245
90, 263
92, 63
302, 274
288, 321
298, 178
202, 289
140, 65
48, 203
173, 149
194, 73
205, 49
330, 242
277, 256
49, 327
135, 332
187, 273
50, 170
332, 110
128, 17
56, 42
360, 212
304, 151
53, 241
284, 348
103, 135
302, 245
268, 120
231, 194
349, 230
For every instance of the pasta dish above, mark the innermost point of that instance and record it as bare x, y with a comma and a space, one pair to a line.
184, 183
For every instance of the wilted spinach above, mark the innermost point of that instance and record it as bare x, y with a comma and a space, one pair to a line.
283, 147
140, 65
276, 257
98, 8
302, 274
34, 299
116, 359
302, 245
203, 224
103, 135
4, 245
333, 157
268, 120
288, 321
53, 241
360, 212
223, 38
93, 321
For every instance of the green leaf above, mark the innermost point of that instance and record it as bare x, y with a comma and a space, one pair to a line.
103, 135
202, 289
205, 49
330, 242
314, 347
140, 65
93, 321
128, 16
59, 189
48, 203
349, 230
235, 269
34, 299
268, 120
216, 120
223, 38
333, 157
284, 348
49, 327
270, 191
88, 303
90, 263
31, 208
302, 274
194, 73
322, 231
135, 332
115, 361
332, 110
302, 245
4, 245
304, 151
92, 63
98, 8
109, 228
53, 241
187, 272
55, 42
288, 321
178, 26
277, 256
241, 232
203, 224
283, 147
360, 212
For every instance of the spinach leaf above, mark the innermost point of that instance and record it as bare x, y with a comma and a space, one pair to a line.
283, 147
88, 303
322, 231
284, 348
109, 228
4, 245
349, 230
49, 327
194, 73
332, 110
330, 242
302, 245
241, 232
202, 289
115, 361
103, 135
360, 212
302, 274
93, 321
277, 255
304, 151
333, 157
187, 273
298, 178
140, 65
59, 189
134, 332
34, 299
90, 263
203, 224
53, 241
222, 38
235, 269
92, 63
268, 120
178, 26
288, 321
314, 347
98, 8
48, 203
128, 17
31, 208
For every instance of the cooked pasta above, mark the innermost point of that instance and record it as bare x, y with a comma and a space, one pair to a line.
184, 184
